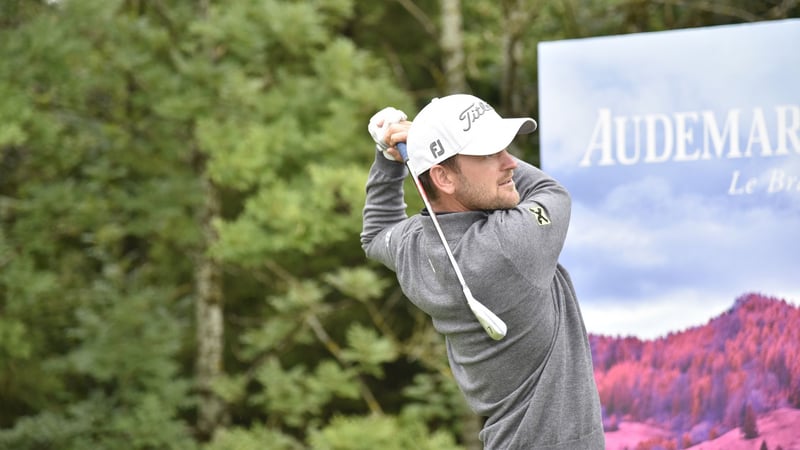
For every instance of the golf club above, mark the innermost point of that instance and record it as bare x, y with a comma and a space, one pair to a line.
494, 326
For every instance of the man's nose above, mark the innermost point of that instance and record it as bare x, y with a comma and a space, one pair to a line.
508, 161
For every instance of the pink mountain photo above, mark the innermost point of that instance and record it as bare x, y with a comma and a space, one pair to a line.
733, 383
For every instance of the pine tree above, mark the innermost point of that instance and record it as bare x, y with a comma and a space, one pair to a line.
749, 423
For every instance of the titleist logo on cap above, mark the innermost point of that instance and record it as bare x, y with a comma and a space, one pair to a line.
473, 113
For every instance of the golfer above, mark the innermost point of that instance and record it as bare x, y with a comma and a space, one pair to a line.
506, 222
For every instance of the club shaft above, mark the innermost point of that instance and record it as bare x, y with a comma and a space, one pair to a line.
402, 147
493, 325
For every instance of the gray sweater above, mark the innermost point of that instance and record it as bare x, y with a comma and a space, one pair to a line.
535, 387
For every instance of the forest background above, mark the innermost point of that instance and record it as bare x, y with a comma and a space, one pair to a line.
181, 185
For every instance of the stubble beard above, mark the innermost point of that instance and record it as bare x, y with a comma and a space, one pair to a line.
478, 198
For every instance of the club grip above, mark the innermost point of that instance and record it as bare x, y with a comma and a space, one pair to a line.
401, 147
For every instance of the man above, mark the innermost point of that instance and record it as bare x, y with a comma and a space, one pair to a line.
506, 222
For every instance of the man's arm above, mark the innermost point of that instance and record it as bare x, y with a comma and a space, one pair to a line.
532, 184
538, 189
534, 232
385, 205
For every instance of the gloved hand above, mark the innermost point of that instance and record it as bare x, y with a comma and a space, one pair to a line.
385, 117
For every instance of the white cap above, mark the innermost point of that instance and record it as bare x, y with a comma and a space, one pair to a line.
460, 124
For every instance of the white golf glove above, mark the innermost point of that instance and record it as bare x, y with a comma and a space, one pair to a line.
389, 116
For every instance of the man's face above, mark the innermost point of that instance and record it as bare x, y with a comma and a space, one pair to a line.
484, 182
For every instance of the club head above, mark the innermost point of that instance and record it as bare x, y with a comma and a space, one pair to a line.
494, 326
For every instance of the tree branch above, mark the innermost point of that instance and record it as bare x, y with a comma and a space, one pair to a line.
336, 351
422, 18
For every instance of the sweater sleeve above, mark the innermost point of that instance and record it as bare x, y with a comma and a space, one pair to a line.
535, 186
533, 234
384, 208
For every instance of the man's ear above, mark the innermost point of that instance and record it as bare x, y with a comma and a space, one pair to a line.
443, 179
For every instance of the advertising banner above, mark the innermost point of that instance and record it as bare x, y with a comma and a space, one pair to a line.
681, 150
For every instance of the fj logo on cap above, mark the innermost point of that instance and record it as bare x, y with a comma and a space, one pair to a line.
541, 216
437, 149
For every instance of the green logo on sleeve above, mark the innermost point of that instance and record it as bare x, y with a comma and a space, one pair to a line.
541, 215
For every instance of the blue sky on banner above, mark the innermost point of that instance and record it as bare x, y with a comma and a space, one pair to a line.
682, 153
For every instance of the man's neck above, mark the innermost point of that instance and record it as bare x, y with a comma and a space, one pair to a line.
447, 204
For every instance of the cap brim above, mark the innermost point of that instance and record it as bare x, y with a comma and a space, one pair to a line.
499, 137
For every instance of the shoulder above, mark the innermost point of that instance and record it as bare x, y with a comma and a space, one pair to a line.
525, 218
